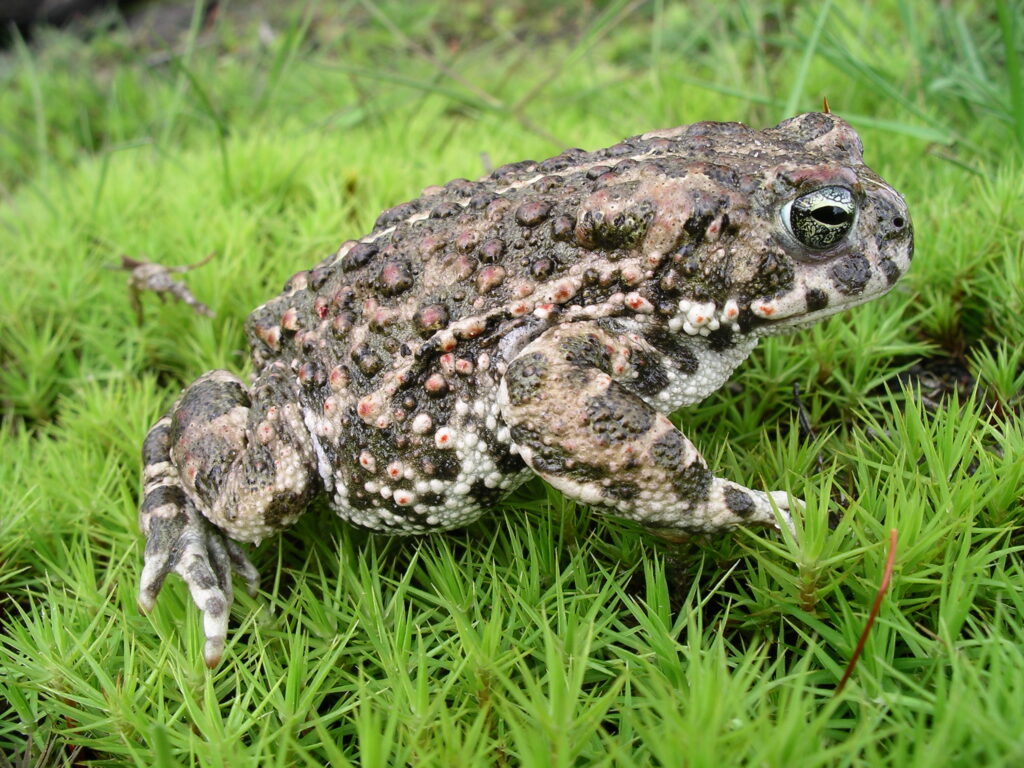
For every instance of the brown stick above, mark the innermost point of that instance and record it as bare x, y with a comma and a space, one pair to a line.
882, 589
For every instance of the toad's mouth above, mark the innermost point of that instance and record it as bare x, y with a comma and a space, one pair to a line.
766, 317
752, 323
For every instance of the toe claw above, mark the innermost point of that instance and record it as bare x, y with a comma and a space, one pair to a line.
205, 558
150, 583
212, 651
786, 506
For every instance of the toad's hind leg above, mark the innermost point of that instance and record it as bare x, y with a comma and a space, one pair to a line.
224, 464
180, 540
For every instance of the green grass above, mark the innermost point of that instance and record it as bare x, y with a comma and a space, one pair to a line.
545, 634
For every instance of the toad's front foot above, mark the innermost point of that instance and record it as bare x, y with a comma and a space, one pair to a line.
180, 540
776, 506
572, 401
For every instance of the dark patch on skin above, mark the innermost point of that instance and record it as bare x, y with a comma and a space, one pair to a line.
507, 463
164, 494
623, 231
721, 339
164, 537
157, 445
816, 299
674, 347
527, 438
747, 320
890, 270
431, 499
524, 377
774, 275
285, 506
484, 496
553, 461
205, 401
441, 465
693, 482
697, 276
651, 376
617, 416
212, 459
850, 275
739, 502
724, 175
696, 225
621, 490
586, 350
200, 575
357, 498
668, 450
481, 200
547, 463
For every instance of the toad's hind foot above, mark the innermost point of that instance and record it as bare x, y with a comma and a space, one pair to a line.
205, 559
180, 540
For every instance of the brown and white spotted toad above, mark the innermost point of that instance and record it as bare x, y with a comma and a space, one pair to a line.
545, 320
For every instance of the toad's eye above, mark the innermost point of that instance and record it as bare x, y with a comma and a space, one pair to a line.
821, 218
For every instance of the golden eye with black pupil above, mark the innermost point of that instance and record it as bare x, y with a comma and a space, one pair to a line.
821, 218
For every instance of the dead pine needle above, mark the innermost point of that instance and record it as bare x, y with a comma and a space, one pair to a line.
882, 589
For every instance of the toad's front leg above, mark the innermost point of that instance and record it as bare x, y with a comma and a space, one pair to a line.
220, 467
569, 401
